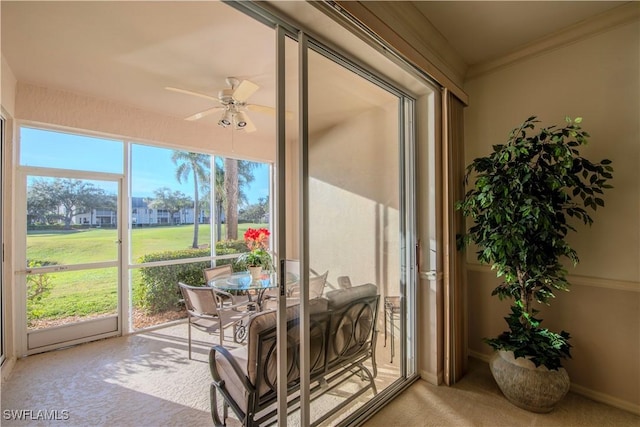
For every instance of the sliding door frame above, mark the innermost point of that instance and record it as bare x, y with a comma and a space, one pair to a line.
285, 27
407, 231
3, 319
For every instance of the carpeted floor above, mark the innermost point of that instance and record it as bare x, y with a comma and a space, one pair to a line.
147, 380
477, 401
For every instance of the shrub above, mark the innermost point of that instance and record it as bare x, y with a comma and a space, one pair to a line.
158, 290
39, 286
231, 247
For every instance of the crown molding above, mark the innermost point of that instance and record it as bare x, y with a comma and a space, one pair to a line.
422, 58
597, 24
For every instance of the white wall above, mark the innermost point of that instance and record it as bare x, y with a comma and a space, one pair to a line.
353, 199
597, 78
7, 103
8, 87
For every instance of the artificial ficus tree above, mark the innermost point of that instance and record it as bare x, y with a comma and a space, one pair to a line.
523, 200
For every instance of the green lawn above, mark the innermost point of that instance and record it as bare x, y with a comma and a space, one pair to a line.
90, 292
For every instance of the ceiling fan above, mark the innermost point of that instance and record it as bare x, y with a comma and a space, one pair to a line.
232, 101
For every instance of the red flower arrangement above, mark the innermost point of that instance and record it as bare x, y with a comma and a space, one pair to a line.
257, 238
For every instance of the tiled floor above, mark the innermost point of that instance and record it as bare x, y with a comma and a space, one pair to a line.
144, 379
147, 380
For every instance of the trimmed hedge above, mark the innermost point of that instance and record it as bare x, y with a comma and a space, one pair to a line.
159, 290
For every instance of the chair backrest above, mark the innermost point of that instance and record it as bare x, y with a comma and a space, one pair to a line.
316, 285
199, 300
354, 318
344, 282
340, 297
217, 272
341, 327
293, 266
262, 339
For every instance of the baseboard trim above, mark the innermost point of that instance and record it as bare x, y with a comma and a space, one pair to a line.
606, 399
581, 390
480, 356
7, 367
431, 378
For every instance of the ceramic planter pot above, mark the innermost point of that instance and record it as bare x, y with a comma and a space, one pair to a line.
536, 389
255, 272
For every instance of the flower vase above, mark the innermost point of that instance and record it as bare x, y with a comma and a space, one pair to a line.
255, 272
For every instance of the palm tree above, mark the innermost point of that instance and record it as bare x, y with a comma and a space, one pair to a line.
196, 165
231, 189
220, 196
237, 175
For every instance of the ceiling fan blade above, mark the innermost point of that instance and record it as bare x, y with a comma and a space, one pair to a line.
261, 109
244, 90
204, 113
250, 127
188, 92
267, 110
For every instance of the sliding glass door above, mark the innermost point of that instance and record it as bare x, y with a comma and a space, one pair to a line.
355, 225
345, 169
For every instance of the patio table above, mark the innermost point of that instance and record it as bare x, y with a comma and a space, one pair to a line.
243, 282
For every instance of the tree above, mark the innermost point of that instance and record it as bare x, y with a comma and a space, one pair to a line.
231, 188
220, 196
256, 212
41, 208
173, 202
237, 175
524, 198
197, 166
64, 198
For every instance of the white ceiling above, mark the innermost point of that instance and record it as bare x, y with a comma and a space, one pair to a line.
129, 51
481, 31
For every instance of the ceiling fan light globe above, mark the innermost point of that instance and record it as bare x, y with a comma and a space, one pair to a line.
240, 120
225, 120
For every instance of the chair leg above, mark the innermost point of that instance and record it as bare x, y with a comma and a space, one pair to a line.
385, 326
214, 408
393, 338
189, 335
373, 355
221, 332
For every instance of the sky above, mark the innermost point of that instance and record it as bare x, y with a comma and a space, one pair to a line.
151, 167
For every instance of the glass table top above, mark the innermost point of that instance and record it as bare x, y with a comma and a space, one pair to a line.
242, 281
